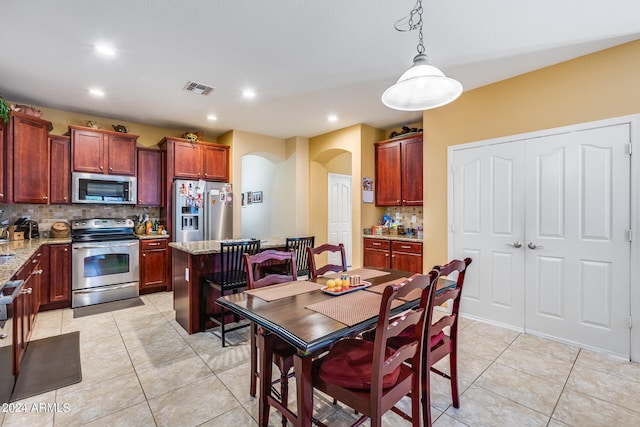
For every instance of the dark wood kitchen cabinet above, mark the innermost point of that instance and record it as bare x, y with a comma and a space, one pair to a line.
395, 254
153, 265
215, 162
55, 285
27, 159
199, 160
377, 253
103, 151
150, 173
399, 171
60, 190
406, 256
2, 160
26, 306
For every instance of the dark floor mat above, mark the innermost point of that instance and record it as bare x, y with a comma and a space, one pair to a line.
48, 364
106, 307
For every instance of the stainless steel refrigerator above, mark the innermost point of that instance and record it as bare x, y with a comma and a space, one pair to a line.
202, 210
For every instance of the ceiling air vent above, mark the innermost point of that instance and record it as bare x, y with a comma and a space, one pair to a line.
200, 88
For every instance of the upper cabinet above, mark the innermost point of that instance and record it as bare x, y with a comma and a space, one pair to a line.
27, 159
2, 160
399, 171
149, 177
60, 147
103, 151
199, 160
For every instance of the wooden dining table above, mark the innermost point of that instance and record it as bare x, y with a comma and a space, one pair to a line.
294, 319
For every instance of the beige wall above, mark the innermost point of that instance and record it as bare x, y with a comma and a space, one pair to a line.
148, 135
597, 86
289, 156
347, 151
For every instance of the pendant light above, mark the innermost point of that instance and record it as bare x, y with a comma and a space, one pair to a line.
422, 86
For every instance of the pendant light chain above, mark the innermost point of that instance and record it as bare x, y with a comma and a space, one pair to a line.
413, 22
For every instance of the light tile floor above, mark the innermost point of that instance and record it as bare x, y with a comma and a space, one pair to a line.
140, 368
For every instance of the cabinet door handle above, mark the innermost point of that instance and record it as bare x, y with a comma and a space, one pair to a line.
154, 244
377, 244
405, 247
66, 249
45, 198
386, 255
1, 194
144, 255
101, 168
110, 169
65, 198
398, 201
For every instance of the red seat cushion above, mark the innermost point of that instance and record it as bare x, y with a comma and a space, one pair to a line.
349, 364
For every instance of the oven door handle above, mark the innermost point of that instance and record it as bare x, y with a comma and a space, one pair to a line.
110, 288
118, 245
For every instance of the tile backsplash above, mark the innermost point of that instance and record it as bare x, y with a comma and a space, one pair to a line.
46, 216
406, 213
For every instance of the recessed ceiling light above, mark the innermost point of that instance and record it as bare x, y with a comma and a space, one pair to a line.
248, 93
212, 117
96, 92
332, 118
104, 49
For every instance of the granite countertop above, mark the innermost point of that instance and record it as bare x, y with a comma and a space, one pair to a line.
398, 237
153, 235
22, 251
205, 247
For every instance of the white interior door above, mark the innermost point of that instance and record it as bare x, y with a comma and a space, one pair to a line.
339, 215
546, 221
488, 219
578, 250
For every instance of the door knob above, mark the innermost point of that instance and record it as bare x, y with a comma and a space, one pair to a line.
515, 244
532, 245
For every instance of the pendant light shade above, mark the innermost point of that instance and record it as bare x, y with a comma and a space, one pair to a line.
421, 87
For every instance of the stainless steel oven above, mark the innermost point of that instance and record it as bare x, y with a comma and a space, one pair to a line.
104, 262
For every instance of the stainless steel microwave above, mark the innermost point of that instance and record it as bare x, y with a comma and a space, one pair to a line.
103, 189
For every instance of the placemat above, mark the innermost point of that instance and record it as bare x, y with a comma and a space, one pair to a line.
353, 308
364, 273
274, 292
414, 294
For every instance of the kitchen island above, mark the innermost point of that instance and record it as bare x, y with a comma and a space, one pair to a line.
190, 261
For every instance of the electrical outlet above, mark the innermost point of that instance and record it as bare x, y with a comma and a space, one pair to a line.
397, 215
413, 219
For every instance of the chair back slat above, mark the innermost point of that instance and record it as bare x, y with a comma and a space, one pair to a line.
231, 258
299, 245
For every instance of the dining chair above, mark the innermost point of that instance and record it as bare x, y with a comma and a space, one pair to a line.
443, 344
370, 376
315, 271
282, 352
299, 245
230, 279
439, 343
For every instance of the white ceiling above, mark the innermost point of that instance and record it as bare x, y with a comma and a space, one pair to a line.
304, 59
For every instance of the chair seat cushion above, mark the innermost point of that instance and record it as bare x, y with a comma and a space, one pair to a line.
349, 365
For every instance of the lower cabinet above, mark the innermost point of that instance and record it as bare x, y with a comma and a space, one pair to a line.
26, 307
395, 254
377, 253
55, 291
153, 265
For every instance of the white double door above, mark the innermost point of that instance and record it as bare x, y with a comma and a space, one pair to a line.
546, 221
